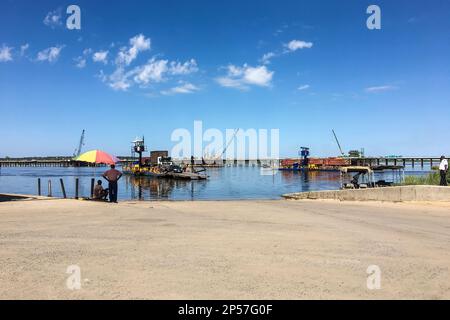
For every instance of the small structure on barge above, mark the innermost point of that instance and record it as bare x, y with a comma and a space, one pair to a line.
304, 162
159, 165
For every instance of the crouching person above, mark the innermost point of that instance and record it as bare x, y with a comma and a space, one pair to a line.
99, 192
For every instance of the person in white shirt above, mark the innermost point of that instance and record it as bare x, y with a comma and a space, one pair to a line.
443, 168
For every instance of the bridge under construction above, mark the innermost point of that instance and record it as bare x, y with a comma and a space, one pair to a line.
422, 162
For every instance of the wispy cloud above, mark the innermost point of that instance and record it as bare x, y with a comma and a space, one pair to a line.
289, 47
267, 57
23, 49
118, 80
53, 18
81, 61
50, 54
137, 44
154, 71
280, 30
183, 89
295, 45
126, 73
187, 67
245, 76
303, 87
100, 56
377, 89
6, 53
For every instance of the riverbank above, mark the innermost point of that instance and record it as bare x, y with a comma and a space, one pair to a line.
224, 249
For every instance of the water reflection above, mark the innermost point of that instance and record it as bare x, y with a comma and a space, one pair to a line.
146, 188
238, 182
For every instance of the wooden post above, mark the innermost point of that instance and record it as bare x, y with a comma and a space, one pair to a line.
412, 163
92, 187
77, 182
431, 163
39, 186
62, 188
49, 188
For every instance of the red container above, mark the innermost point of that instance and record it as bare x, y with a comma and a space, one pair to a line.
288, 162
316, 161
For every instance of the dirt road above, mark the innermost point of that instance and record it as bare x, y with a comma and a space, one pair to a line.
223, 250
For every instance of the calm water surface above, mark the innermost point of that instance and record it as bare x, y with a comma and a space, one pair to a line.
224, 183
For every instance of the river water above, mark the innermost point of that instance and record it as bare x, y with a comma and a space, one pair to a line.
223, 184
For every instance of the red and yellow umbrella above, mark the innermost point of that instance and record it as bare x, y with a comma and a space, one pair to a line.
97, 156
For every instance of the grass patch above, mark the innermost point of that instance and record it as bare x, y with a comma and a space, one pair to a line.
433, 178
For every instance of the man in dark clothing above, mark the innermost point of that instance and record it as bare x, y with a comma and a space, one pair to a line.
112, 176
355, 180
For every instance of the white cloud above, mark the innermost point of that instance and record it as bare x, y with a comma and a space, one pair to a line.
80, 62
53, 18
118, 80
23, 49
137, 44
50, 54
242, 77
303, 87
188, 67
234, 71
87, 51
380, 89
267, 57
184, 88
153, 71
231, 83
259, 76
100, 56
6, 54
295, 45
289, 47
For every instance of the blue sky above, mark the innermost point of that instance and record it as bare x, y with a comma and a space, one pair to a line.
150, 67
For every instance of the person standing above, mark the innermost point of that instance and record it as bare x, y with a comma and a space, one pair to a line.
443, 168
112, 176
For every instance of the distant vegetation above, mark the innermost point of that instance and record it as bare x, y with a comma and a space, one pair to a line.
430, 179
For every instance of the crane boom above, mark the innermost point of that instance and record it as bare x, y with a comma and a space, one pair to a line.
228, 144
337, 141
80, 145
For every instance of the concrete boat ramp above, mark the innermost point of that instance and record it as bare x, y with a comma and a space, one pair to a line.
278, 249
394, 194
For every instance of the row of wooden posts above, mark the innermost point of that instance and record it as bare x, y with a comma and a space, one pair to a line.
63, 188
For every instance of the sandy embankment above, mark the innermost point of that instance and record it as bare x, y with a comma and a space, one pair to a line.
236, 249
